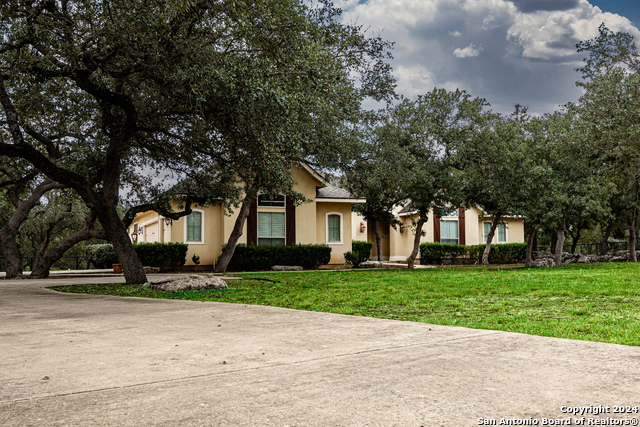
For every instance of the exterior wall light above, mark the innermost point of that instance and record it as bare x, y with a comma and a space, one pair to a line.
401, 228
168, 221
134, 237
362, 227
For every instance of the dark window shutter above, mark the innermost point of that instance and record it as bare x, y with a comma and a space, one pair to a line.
290, 221
252, 224
436, 229
461, 227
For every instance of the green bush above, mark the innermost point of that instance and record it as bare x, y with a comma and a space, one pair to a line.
150, 254
162, 254
434, 252
360, 252
102, 255
254, 257
503, 253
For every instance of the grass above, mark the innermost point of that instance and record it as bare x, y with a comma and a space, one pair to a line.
594, 303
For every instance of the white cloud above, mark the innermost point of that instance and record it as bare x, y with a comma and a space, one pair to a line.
467, 52
414, 80
528, 52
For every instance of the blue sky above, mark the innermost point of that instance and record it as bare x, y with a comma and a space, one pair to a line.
507, 51
626, 8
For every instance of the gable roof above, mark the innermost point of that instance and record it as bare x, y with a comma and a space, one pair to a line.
331, 193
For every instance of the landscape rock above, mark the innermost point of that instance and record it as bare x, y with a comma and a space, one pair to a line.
151, 270
191, 283
286, 268
370, 264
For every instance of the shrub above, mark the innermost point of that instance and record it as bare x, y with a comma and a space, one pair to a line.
102, 255
162, 254
150, 254
434, 252
502, 253
254, 257
360, 252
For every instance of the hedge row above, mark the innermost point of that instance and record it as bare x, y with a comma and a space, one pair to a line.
434, 252
503, 253
254, 257
150, 254
360, 252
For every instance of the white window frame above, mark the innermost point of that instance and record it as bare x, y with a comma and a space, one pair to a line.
326, 228
277, 211
457, 221
201, 241
484, 237
496, 236
506, 236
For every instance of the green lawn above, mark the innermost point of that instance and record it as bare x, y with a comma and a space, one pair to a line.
594, 303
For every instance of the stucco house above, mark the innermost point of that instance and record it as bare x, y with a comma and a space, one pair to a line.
457, 226
272, 220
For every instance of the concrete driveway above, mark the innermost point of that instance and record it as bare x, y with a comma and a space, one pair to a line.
85, 360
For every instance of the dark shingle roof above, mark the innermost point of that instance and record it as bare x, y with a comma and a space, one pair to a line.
331, 192
407, 209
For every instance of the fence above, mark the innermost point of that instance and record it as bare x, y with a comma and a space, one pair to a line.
64, 263
592, 248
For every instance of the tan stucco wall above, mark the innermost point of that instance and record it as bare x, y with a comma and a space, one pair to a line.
401, 244
217, 227
306, 227
322, 210
515, 230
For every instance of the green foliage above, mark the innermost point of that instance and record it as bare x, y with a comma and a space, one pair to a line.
196, 259
254, 257
150, 254
360, 252
162, 254
102, 255
435, 252
503, 253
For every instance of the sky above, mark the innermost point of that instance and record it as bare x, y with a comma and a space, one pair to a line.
508, 52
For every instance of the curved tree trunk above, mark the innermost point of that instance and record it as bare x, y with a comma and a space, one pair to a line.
117, 235
530, 240
422, 219
604, 246
229, 249
560, 242
12, 255
9, 233
492, 232
43, 264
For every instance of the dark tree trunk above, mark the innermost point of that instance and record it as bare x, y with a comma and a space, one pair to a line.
492, 232
229, 249
12, 255
9, 233
605, 238
632, 226
43, 264
560, 242
376, 232
117, 235
574, 239
530, 239
422, 219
